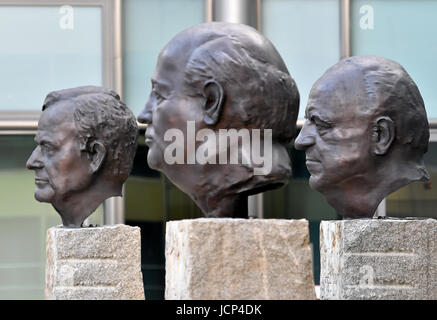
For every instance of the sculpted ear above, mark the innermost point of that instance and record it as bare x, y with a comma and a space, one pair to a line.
214, 100
97, 154
383, 135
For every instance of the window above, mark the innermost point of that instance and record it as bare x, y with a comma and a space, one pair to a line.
306, 34
46, 46
404, 31
418, 199
147, 26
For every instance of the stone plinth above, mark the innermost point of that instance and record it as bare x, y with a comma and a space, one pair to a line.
238, 259
378, 259
94, 263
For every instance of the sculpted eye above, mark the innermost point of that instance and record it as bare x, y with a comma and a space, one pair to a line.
158, 97
321, 125
47, 148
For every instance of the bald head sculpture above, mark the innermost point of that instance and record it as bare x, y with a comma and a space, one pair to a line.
86, 143
365, 134
211, 79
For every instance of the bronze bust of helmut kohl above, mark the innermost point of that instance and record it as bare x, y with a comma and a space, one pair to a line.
211, 80
365, 134
86, 143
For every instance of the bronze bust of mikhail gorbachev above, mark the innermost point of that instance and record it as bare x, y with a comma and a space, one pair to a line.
86, 143
221, 115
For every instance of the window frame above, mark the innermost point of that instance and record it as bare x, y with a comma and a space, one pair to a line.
346, 49
26, 122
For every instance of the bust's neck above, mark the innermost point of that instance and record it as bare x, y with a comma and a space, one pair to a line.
75, 208
222, 190
234, 206
361, 195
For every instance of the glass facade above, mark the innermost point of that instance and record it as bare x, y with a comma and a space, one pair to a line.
306, 34
147, 26
46, 48
418, 199
404, 31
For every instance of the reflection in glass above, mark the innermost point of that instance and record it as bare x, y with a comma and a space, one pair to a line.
404, 31
306, 34
418, 199
45, 49
147, 26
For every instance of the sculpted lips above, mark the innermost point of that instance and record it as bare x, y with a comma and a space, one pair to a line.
312, 164
311, 159
39, 180
149, 139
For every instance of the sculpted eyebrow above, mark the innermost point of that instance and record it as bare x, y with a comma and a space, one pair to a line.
320, 118
162, 88
43, 141
310, 114
39, 140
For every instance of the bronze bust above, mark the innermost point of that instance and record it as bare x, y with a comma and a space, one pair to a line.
211, 79
365, 134
86, 143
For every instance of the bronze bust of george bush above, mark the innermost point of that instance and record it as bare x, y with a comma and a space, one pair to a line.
86, 143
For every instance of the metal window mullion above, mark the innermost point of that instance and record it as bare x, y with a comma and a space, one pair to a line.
113, 208
345, 29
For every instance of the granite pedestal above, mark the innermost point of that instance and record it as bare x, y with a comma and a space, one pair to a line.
238, 259
94, 263
378, 259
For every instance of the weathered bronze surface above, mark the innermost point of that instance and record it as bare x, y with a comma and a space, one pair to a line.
221, 76
86, 143
365, 134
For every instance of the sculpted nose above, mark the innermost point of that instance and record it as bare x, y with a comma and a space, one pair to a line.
34, 161
146, 115
305, 139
